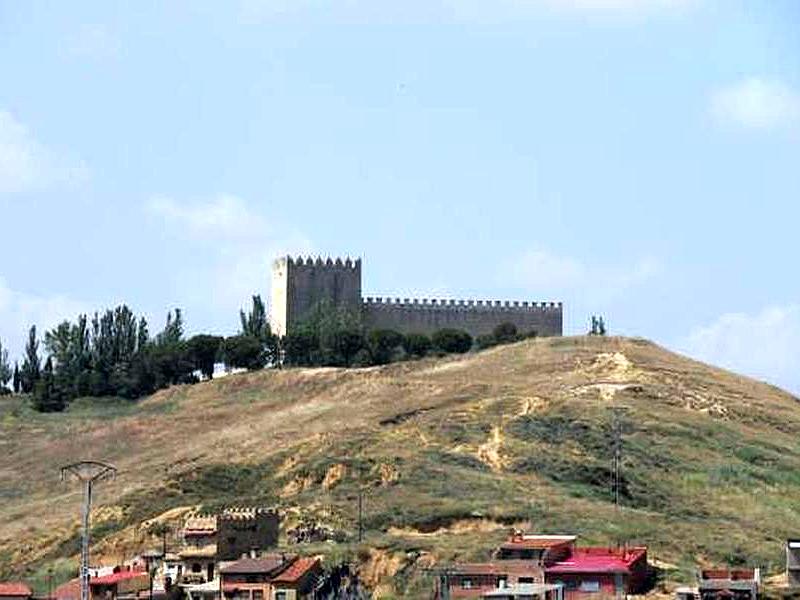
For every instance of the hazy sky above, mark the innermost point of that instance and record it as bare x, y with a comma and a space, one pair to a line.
638, 159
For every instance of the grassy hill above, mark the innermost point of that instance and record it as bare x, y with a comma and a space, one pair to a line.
451, 452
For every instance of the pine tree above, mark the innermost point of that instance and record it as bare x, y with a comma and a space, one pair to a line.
255, 323
16, 381
5, 367
49, 394
31, 366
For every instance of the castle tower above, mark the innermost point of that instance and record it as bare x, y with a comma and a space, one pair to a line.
300, 284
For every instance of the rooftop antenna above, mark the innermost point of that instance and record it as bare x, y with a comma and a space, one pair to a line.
88, 472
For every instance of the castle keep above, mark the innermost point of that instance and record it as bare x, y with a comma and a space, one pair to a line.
299, 284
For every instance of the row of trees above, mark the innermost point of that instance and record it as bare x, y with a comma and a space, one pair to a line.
335, 337
113, 354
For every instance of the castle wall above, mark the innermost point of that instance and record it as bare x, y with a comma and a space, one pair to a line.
298, 285
477, 317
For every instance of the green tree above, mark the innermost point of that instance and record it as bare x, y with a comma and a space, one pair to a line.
203, 351
382, 345
452, 340
486, 340
417, 344
5, 368
505, 333
244, 351
17, 383
31, 365
173, 330
255, 323
300, 347
49, 394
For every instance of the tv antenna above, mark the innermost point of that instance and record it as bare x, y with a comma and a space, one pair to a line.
88, 472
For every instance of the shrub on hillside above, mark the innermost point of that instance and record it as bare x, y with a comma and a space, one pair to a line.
487, 340
452, 340
382, 344
417, 344
505, 333
244, 351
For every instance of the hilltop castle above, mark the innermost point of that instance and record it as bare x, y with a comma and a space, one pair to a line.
299, 284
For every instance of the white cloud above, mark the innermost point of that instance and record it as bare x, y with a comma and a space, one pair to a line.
93, 41
542, 271
244, 244
26, 164
224, 217
20, 310
756, 104
765, 345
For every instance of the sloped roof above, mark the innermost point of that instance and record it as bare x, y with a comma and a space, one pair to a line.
297, 570
14, 588
69, 590
265, 564
598, 560
116, 577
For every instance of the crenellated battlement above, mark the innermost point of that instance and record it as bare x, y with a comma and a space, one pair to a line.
301, 283
438, 304
310, 262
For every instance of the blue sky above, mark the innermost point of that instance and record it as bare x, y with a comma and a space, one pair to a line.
637, 159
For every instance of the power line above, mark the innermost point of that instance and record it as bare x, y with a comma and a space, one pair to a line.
616, 445
88, 472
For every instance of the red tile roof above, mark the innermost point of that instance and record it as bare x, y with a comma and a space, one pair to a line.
115, 577
14, 588
70, 590
598, 560
297, 570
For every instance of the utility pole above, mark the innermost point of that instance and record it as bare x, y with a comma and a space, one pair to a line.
88, 472
616, 432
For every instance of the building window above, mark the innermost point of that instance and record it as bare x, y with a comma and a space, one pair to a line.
590, 586
281, 595
196, 567
502, 583
466, 584
258, 594
527, 580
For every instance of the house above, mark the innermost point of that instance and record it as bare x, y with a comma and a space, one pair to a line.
271, 577
228, 536
472, 580
71, 590
299, 580
600, 572
537, 548
739, 584
13, 590
122, 583
534, 562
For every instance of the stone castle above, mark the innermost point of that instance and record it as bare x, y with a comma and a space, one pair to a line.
299, 284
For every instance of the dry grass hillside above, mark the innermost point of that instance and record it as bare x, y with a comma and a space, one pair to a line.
451, 452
